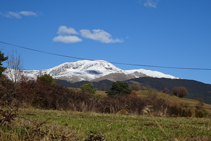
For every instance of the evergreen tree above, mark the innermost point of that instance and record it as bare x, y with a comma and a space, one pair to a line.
88, 88
2, 58
119, 88
46, 78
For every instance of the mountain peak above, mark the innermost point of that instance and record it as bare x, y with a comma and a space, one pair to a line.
87, 65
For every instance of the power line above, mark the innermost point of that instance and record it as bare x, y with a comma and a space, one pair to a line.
79, 58
44, 51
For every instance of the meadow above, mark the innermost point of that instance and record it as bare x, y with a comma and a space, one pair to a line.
36, 124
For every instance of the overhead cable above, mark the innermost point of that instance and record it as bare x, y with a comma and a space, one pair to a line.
79, 58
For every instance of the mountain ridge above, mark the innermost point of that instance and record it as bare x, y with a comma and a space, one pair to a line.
86, 70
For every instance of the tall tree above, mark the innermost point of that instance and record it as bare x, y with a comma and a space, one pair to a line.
2, 59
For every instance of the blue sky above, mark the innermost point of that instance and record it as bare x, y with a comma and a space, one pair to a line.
173, 33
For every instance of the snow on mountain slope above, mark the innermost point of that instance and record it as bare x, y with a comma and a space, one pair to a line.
150, 73
92, 71
86, 70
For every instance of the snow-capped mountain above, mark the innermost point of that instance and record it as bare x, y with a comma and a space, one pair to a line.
92, 71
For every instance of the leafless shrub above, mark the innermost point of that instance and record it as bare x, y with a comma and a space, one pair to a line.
165, 90
15, 66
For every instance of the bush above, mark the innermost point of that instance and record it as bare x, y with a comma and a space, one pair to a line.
134, 93
180, 91
88, 88
174, 110
166, 91
122, 112
46, 78
51, 96
199, 114
119, 88
116, 103
200, 102
206, 114
189, 113
179, 111
7, 91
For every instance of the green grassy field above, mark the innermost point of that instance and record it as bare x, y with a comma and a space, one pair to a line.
34, 124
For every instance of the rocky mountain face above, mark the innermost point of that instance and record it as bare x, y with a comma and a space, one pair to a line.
97, 70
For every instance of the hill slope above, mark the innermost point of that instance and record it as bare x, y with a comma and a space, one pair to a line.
196, 89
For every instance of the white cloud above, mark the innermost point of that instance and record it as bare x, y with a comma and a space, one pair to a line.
18, 15
67, 39
151, 3
96, 34
65, 30
28, 13
99, 35
13, 15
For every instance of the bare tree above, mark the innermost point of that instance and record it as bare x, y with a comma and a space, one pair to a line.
15, 66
